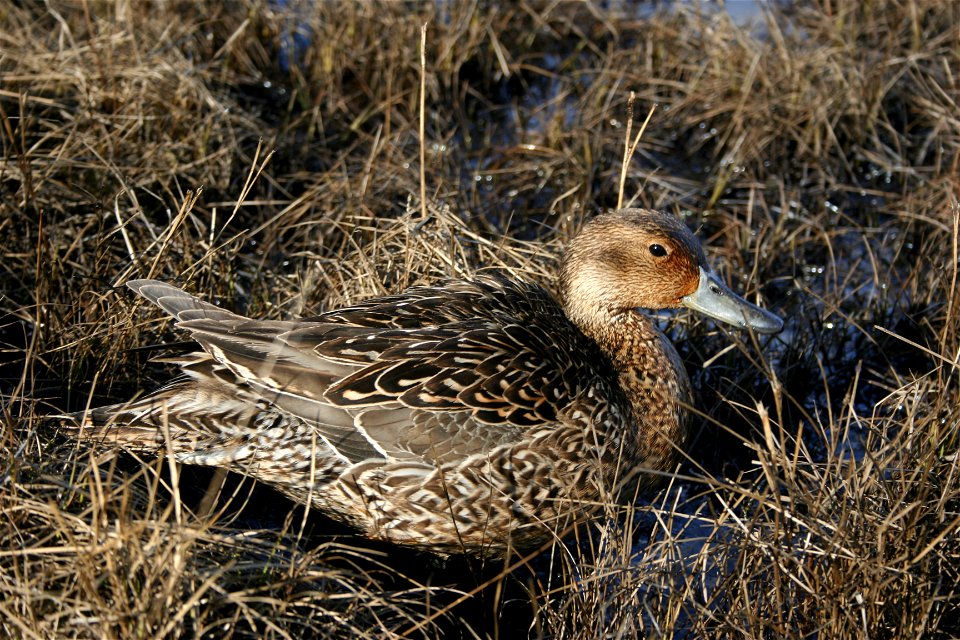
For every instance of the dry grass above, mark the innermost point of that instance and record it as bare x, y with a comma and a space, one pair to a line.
205, 144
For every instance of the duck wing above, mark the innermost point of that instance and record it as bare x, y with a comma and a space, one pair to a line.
433, 374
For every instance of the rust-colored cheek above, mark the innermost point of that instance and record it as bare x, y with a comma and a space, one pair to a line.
688, 276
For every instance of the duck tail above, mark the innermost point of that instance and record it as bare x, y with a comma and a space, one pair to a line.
119, 424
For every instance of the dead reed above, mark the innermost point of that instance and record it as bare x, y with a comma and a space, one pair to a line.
269, 154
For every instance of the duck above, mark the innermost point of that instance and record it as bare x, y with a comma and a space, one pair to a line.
464, 417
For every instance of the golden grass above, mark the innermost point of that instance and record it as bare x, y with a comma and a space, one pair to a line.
818, 159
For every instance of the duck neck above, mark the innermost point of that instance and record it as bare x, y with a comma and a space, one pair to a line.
654, 382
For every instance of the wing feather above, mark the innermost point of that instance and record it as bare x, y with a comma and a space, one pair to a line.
435, 373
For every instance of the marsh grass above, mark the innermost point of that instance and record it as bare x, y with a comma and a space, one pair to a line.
268, 157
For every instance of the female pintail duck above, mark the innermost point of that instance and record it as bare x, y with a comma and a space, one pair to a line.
470, 416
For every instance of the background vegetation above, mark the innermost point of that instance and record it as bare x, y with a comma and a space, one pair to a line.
267, 155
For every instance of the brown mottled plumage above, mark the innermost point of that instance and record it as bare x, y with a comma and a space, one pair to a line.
469, 416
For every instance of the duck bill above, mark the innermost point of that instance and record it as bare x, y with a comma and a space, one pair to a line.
715, 299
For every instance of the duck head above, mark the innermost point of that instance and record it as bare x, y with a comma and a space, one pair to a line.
637, 258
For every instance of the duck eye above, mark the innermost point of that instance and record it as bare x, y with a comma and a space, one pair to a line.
657, 250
